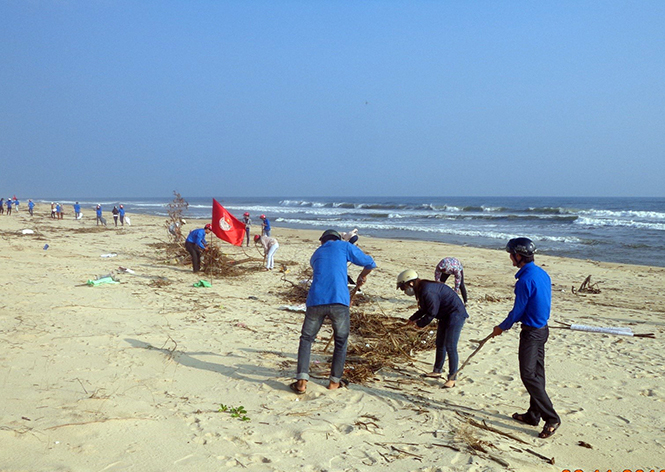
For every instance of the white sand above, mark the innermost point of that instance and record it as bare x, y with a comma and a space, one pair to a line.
131, 376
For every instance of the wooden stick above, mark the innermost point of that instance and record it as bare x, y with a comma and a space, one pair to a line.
482, 343
494, 430
546, 459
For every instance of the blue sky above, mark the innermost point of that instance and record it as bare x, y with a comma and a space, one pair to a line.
311, 98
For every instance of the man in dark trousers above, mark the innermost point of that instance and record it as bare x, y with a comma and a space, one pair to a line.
533, 300
196, 243
329, 297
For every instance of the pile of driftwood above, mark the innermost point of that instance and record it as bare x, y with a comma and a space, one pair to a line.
379, 341
376, 340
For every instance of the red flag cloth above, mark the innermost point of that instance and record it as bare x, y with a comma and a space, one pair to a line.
226, 226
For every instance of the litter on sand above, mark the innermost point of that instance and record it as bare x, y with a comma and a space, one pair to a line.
102, 280
125, 269
202, 283
617, 331
27, 231
113, 254
297, 308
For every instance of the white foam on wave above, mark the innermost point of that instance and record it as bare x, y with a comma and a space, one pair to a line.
439, 230
647, 215
599, 222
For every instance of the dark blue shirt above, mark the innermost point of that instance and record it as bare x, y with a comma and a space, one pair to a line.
198, 237
437, 300
329, 264
533, 298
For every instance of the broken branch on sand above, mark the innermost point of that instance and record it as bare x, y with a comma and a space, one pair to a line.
587, 287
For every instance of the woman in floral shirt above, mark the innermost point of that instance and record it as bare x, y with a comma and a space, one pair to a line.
451, 266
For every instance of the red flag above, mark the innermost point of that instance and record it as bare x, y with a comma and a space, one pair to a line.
226, 226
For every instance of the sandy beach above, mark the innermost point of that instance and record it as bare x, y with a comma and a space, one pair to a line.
131, 376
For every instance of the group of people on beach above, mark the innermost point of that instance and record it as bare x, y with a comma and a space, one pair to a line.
9, 204
196, 243
58, 211
329, 297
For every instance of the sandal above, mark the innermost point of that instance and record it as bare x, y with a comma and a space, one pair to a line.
548, 430
449, 383
294, 388
522, 418
432, 375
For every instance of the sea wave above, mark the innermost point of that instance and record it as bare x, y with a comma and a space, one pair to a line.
600, 222
647, 215
487, 234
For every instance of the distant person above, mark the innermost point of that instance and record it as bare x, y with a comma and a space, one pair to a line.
351, 236
77, 211
329, 297
265, 226
53, 213
115, 212
450, 266
16, 204
121, 213
533, 301
9, 206
438, 301
58, 210
31, 207
196, 243
174, 228
248, 222
2, 206
100, 218
270, 246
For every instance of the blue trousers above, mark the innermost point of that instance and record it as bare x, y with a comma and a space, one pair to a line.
340, 317
447, 337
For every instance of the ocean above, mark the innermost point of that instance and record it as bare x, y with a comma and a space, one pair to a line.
623, 230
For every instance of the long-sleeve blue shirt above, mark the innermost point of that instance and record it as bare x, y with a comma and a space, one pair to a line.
329, 281
198, 237
533, 298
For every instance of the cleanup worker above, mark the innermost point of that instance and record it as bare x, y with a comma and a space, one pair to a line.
533, 301
436, 300
196, 243
329, 297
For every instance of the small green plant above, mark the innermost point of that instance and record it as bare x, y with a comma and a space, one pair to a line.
236, 411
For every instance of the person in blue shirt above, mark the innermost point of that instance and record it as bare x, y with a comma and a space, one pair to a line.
9, 206
437, 300
533, 300
2, 206
31, 207
265, 226
100, 218
77, 211
121, 213
329, 297
196, 243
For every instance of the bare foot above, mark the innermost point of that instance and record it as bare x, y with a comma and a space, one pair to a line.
333, 385
449, 384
